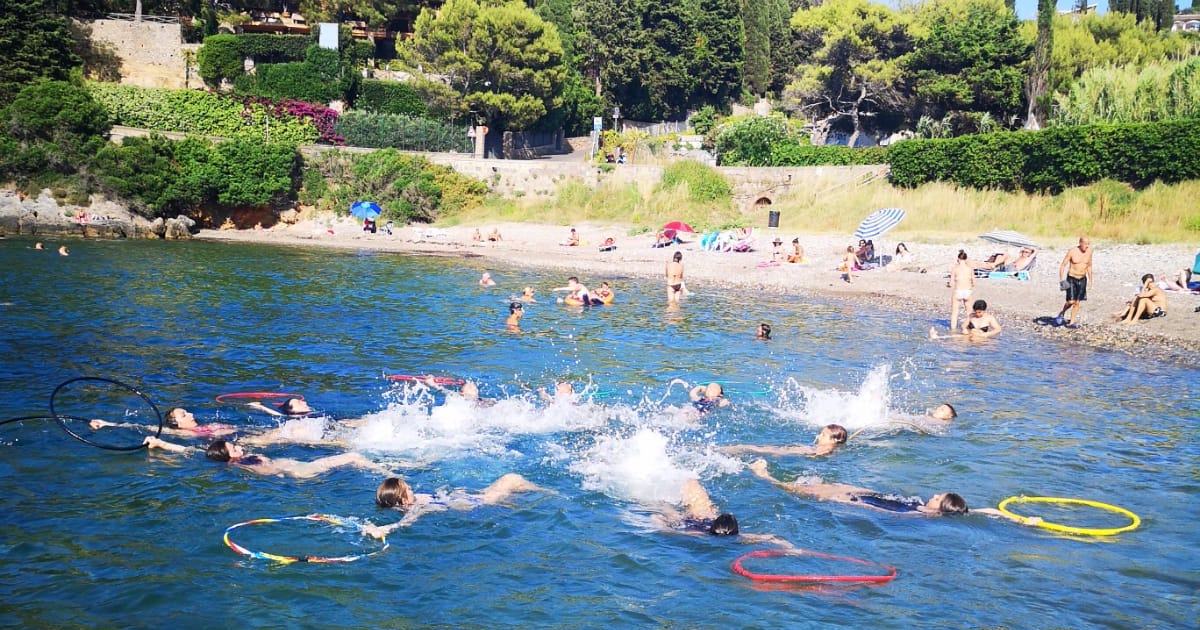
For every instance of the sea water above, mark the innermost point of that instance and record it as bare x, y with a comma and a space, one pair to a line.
99, 538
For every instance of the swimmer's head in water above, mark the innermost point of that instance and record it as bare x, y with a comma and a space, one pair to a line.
946, 503
515, 306
179, 418
528, 291
764, 331
714, 390
222, 451
944, 411
394, 492
296, 407
470, 391
563, 388
832, 433
724, 525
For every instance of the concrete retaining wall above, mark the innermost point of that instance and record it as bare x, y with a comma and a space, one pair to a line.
151, 52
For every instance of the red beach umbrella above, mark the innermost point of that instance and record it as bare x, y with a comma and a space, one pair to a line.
679, 226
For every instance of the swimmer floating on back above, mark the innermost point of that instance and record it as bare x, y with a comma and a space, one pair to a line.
176, 421
226, 452
828, 440
292, 407
700, 517
394, 492
946, 503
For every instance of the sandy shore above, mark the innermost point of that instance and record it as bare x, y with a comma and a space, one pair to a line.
923, 299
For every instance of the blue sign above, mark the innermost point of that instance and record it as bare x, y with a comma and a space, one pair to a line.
597, 123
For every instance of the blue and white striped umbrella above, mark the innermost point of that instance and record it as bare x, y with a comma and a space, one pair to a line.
1008, 237
879, 222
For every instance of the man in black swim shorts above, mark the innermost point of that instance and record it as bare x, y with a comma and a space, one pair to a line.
1073, 275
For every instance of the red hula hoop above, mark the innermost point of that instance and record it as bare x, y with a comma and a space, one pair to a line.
776, 553
257, 396
437, 380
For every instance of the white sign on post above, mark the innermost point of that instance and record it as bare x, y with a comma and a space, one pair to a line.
597, 123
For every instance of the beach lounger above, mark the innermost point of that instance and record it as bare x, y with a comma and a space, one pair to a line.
1021, 274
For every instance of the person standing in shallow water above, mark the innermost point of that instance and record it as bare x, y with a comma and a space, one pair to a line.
962, 284
675, 278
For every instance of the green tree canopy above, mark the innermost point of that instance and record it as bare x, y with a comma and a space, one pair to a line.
853, 54
37, 44
1112, 39
499, 60
969, 57
54, 126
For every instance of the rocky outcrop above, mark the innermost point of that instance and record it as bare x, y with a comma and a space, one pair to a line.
44, 216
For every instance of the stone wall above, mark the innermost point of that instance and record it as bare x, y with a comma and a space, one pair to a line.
151, 52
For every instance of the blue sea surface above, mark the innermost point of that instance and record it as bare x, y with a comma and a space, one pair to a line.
93, 537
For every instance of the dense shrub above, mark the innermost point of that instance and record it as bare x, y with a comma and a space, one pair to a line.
158, 177
320, 78
271, 48
50, 126
287, 80
748, 141
213, 114
220, 58
793, 154
408, 188
704, 182
704, 120
412, 133
389, 97
1052, 160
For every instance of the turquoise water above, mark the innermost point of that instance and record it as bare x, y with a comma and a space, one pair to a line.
98, 538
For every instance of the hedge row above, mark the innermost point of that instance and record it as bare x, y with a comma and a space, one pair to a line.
410, 133
213, 114
389, 97
1055, 159
271, 48
792, 154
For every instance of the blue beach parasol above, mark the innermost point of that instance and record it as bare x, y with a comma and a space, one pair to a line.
365, 210
878, 222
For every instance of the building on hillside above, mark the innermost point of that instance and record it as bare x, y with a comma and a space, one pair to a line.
1187, 22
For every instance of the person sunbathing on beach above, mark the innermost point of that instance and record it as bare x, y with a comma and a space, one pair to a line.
176, 421
828, 441
477, 236
494, 235
227, 452
1023, 261
572, 239
946, 503
797, 255
394, 492
705, 398
1149, 303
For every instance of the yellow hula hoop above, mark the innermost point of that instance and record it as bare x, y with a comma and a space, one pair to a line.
1067, 529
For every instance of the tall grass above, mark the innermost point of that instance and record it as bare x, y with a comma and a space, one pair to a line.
1105, 210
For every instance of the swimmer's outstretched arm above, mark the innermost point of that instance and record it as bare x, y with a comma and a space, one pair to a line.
696, 392
766, 539
768, 450
1023, 520
153, 443
265, 409
214, 431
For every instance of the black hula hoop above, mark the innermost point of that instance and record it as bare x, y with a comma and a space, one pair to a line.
61, 419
